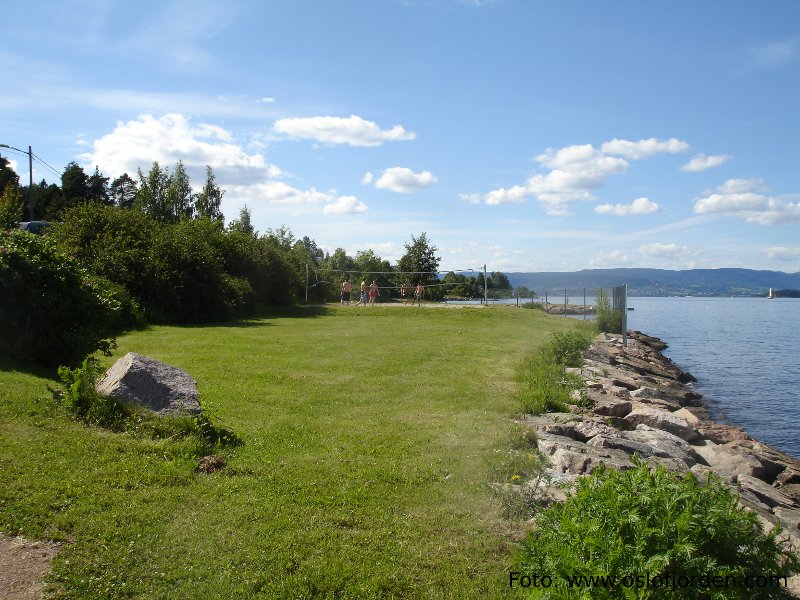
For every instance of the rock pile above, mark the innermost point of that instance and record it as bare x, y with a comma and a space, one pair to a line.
643, 404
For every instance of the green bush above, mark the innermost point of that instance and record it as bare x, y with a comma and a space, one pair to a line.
606, 319
568, 347
84, 402
53, 310
192, 271
639, 523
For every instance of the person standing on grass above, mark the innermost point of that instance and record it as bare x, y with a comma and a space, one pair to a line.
363, 297
373, 291
346, 288
404, 292
419, 293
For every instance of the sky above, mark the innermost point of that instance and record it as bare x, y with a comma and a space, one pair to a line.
522, 135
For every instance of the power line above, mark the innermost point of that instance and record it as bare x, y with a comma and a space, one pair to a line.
41, 160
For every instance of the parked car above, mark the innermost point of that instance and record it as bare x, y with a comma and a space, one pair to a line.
34, 226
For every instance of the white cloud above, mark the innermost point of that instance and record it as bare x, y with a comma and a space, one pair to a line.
353, 130
344, 205
281, 193
784, 253
367, 178
168, 139
644, 148
670, 250
265, 100
745, 198
701, 162
609, 260
247, 178
576, 172
404, 181
640, 206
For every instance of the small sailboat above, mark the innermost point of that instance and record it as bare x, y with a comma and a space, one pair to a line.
769, 296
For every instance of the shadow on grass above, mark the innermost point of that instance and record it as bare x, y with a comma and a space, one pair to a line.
260, 320
29, 367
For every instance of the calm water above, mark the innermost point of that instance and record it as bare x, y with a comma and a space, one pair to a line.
744, 353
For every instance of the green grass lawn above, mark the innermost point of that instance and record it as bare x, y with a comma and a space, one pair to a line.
368, 438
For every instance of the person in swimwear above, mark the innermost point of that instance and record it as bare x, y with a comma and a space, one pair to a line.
404, 292
419, 293
346, 288
363, 298
373, 291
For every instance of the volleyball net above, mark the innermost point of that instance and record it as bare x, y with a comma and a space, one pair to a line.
326, 283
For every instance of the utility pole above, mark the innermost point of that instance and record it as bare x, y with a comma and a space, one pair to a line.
485, 287
30, 177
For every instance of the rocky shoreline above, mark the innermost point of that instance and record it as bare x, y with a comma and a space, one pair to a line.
641, 403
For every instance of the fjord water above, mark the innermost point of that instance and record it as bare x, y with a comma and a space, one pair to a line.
744, 354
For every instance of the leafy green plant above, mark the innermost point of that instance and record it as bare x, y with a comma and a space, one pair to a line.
82, 399
639, 529
519, 476
192, 435
54, 310
567, 347
606, 319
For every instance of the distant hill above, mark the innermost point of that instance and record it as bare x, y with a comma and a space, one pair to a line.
661, 282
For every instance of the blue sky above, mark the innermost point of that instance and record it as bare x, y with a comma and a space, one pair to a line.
524, 135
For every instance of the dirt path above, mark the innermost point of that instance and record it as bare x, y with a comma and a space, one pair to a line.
23, 567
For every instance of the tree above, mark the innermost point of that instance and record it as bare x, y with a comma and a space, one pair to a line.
372, 267
10, 206
243, 224
97, 188
7, 174
180, 198
48, 200
123, 191
151, 198
209, 200
74, 185
499, 281
421, 265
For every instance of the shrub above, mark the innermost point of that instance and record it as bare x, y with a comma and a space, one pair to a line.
568, 347
642, 523
84, 402
192, 271
606, 319
54, 311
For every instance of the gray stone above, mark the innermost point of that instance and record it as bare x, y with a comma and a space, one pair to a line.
624, 444
141, 381
719, 433
608, 406
661, 419
730, 461
666, 443
765, 492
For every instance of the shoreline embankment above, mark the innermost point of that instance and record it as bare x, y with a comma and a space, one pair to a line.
642, 403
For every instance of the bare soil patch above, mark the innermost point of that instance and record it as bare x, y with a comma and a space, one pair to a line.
23, 567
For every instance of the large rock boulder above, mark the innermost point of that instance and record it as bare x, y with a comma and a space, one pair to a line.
141, 381
664, 420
